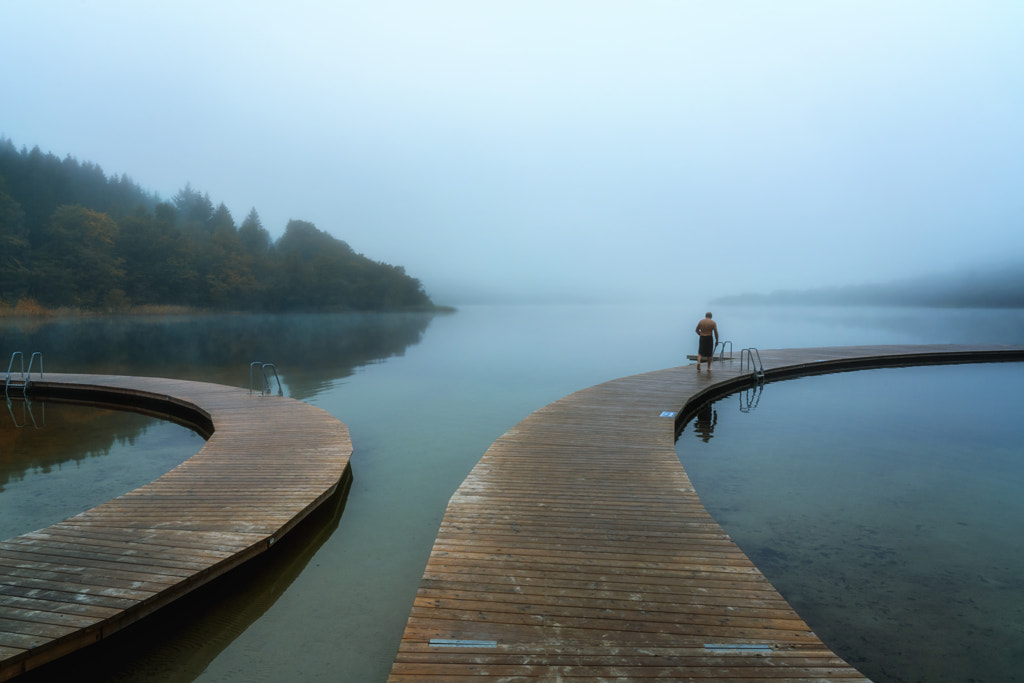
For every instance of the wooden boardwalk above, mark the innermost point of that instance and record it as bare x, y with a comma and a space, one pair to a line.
268, 462
577, 549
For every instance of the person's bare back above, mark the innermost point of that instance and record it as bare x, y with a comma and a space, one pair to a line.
707, 327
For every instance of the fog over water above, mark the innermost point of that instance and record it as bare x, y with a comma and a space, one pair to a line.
573, 151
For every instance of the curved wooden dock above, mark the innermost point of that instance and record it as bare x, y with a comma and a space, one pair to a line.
577, 549
268, 462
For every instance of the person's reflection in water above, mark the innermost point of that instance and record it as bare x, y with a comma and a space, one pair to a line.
704, 425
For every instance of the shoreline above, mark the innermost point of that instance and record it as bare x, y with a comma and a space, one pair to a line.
35, 313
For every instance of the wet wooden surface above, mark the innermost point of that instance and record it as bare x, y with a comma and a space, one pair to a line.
269, 462
577, 549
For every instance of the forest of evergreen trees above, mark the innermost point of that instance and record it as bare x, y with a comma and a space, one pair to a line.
71, 237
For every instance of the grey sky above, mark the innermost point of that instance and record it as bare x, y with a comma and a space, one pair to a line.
582, 150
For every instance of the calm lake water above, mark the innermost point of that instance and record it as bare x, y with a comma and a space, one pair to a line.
424, 396
886, 506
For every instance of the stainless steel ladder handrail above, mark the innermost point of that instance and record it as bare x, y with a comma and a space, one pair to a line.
10, 368
721, 354
253, 365
747, 357
23, 379
265, 388
266, 380
31, 360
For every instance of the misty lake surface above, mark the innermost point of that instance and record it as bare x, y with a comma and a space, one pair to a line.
424, 396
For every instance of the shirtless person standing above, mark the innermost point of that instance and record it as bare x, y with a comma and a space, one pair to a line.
706, 328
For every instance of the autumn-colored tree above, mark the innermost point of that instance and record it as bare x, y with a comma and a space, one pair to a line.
73, 260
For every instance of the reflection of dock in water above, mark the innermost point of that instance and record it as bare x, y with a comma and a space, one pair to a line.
269, 462
577, 548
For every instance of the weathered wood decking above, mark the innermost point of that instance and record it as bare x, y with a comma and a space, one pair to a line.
577, 549
269, 462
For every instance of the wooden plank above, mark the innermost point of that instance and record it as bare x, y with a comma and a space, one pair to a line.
269, 462
578, 550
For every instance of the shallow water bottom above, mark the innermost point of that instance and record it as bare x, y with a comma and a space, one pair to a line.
886, 507
60, 459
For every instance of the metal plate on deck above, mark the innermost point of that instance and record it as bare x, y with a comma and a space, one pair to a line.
441, 642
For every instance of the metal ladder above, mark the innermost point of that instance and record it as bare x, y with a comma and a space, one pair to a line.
747, 358
721, 354
23, 379
264, 377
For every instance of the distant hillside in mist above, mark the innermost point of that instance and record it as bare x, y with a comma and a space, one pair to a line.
1001, 287
72, 237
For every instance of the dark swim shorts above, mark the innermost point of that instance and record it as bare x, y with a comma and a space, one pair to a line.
707, 346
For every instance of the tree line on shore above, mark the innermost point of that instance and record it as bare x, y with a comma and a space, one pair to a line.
72, 237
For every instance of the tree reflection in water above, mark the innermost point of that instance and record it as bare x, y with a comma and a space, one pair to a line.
309, 350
